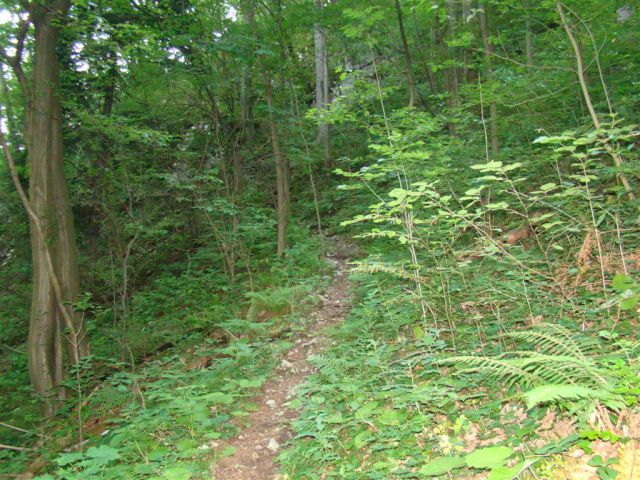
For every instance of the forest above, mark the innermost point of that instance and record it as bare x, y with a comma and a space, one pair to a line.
319, 239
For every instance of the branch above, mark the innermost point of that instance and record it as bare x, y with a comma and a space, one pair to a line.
10, 447
18, 429
15, 62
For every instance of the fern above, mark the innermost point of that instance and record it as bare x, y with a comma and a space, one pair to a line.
558, 393
556, 340
276, 301
551, 364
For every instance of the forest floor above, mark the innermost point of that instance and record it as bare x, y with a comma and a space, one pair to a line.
266, 430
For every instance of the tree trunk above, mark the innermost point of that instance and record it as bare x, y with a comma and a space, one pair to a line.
282, 180
468, 74
617, 159
450, 81
528, 38
49, 200
407, 56
322, 86
488, 49
282, 183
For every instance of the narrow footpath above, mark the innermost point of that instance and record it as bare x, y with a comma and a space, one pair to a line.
257, 447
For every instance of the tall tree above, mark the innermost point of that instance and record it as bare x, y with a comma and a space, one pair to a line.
407, 55
54, 327
322, 84
282, 178
441, 29
488, 51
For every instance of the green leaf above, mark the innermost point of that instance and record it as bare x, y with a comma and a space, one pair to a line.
557, 393
227, 451
629, 303
187, 446
442, 466
497, 206
367, 409
158, 453
68, 458
335, 418
488, 457
399, 194
103, 453
219, 397
389, 417
509, 473
177, 472
622, 282
361, 439
244, 383
488, 167
596, 461
473, 192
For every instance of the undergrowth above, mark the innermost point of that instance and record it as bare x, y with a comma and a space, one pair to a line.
198, 349
393, 401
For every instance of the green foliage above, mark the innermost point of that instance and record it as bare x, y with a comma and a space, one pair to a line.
556, 367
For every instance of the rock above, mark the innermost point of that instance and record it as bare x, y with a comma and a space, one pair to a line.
285, 365
273, 445
271, 403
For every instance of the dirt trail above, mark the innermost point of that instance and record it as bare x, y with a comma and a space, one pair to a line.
257, 447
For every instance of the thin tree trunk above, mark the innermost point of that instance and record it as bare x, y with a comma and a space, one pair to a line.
493, 111
528, 38
450, 83
282, 181
407, 56
322, 86
281, 172
468, 74
422, 59
617, 159
245, 104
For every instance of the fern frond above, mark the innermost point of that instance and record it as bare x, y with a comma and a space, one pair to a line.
555, 393
556, 342
586, 343
553, 363
572, 369
503, 370
548, 373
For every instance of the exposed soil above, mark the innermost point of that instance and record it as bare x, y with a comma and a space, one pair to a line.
257, 447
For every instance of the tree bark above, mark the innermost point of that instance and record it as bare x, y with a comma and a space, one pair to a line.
450, 80
49, 200
407, 56
488, 49
282, 184
282, 180
322, 86
528, 38
468, 73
